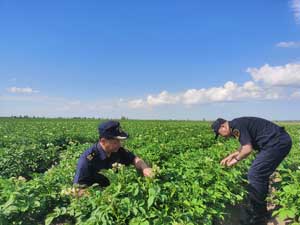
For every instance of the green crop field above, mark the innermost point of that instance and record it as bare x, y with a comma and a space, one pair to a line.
38, 159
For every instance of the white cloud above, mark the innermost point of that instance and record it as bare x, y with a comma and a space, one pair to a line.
296, 94
287, 75
295, 5
164, 98
289, 44
214, 94
230, 91
268, 83
17, 90
138, 103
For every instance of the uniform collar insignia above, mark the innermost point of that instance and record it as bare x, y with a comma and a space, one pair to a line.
236, 133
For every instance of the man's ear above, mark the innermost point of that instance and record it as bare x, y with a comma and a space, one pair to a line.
102, 140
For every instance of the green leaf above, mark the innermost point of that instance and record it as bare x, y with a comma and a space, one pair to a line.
50, 218
151, 198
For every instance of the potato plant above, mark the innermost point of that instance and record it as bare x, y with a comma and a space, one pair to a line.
38, 162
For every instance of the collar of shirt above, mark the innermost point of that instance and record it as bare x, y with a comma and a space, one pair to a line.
231, 127
101, 151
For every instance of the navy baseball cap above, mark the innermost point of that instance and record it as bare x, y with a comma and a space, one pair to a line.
216, 126
112, 130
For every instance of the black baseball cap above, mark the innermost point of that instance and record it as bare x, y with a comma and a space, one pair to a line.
112, 130
216, 126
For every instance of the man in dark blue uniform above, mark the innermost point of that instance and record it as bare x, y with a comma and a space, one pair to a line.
104, 154
273, 144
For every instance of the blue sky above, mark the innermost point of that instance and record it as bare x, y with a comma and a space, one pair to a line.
150, 60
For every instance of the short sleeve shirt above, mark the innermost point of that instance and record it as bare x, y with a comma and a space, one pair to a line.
258, 132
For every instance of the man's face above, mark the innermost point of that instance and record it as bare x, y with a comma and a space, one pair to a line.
224, 130
110, 145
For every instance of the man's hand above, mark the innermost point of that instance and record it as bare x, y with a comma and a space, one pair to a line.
147, 172
237, 156
143, 167
228, 159
232, 162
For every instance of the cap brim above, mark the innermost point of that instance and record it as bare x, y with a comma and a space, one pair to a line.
122, 136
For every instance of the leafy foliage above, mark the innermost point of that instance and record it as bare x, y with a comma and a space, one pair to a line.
190, 187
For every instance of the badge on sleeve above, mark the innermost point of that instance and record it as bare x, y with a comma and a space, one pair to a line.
236, 133
91, 156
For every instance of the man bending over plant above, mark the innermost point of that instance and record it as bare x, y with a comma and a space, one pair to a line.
273, 144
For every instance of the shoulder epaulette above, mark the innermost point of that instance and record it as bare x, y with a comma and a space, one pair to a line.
91, 156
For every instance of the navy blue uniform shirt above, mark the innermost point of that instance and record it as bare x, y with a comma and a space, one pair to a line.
258, 132
94, 159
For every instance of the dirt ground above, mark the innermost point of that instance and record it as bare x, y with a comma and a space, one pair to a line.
235, 214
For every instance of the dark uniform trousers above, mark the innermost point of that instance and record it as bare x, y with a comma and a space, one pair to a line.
262, 168
100, 179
